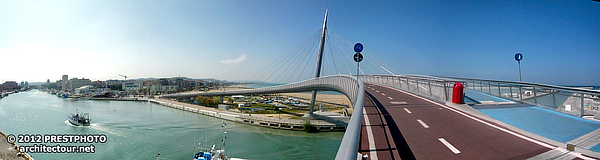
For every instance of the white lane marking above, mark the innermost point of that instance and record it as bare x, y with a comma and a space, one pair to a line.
372, 147
452, 148
377, 91
422, 123
481, 121
407, 111
399, 102
383, 94
390, 98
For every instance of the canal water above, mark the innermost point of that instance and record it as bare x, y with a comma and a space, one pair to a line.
141, 130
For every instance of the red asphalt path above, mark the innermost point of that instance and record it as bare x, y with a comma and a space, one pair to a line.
404, 126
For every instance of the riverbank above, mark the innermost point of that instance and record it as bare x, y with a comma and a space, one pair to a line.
256, 119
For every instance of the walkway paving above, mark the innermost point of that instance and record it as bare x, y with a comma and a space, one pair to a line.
554, 125
8, 150
478, 97
399, 125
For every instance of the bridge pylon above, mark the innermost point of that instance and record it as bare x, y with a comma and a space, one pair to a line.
309, 115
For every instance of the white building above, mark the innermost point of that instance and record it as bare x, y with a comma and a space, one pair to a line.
89, 89
132, 86
76, 83
158, 87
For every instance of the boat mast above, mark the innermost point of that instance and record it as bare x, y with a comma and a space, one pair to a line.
320, 58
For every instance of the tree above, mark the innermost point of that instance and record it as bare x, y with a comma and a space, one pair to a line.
206, 101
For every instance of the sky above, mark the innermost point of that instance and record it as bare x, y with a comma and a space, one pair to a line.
233, 40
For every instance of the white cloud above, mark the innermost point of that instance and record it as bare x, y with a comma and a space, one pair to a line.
234, 61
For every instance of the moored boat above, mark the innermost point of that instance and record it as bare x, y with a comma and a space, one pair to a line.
212, 153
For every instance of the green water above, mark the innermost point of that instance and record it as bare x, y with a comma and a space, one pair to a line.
141, 130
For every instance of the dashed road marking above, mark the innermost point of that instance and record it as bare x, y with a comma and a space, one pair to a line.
407, 111
391, 98
422, 123
383, 94
398, 102
452, 148
377, 91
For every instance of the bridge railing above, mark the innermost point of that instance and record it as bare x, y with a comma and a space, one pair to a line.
438, 89
574, 101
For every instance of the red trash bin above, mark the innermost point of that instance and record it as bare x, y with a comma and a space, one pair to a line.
457, 93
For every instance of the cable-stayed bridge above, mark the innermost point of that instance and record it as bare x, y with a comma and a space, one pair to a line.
399, 116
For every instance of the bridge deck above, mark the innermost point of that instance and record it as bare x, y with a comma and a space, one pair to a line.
398, 125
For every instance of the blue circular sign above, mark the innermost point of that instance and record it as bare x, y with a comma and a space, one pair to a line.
518, 56
358, 47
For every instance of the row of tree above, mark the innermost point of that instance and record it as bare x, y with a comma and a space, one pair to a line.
208, 101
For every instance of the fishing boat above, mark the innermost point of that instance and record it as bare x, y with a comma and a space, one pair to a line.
79, 119
212, 153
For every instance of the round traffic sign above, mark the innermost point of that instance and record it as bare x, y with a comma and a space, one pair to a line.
518, 56
358, 57
358, 47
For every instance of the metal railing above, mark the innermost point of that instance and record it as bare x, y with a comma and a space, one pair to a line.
434, 88
350, 86
574, 101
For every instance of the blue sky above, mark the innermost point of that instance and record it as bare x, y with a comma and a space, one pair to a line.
233, 40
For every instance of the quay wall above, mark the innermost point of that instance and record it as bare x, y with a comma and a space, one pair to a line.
287, 124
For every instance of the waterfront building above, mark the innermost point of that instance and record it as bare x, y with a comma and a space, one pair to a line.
113, 82
63, 81
132, 86
90, 90
59, 84
162, 88
75, 83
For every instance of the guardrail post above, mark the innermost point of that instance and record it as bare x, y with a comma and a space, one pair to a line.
521, 93
407, 85
418, 90
446, 91
534, 95
490, 88
429, 83
582, 105
554, 98
510, 86
481, 86
499, 93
